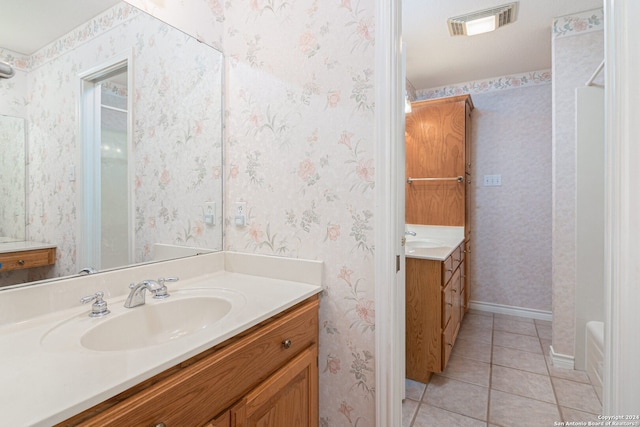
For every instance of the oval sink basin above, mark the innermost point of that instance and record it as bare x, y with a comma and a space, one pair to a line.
153, 324
424, 243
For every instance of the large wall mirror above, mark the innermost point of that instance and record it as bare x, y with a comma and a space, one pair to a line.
157, 94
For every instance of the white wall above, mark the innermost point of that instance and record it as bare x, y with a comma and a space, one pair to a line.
578, 49
590, 214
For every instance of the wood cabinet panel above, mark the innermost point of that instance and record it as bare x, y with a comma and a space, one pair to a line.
285, 399
434, 309
435, 203
438, 145
423, 318
27, 259
467, 284
223, 420
193, 394
435, 131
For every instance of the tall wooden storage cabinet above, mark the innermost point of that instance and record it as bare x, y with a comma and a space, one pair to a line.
438, 149
438, 169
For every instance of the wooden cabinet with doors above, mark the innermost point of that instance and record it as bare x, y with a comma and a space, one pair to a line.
266, 376
435, 295
438, 162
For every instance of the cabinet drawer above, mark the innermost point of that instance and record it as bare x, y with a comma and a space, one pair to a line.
457, 257
448, 339
27, 259
447, 304
452, 262
447, 269
214, 383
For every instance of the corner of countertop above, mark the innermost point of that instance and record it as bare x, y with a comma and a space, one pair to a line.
292, 269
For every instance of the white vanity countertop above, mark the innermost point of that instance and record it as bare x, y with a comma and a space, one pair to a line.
23, 245
440, 241
46, 380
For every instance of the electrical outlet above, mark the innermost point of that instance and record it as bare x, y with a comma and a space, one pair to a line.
492, 180
210, 213
241, 214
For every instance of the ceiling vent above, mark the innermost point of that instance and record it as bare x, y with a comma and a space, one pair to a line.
483, 21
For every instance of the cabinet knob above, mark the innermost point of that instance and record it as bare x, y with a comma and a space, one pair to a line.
449, 304
449, 344
286, 344
20, 262
160, 425
450, 270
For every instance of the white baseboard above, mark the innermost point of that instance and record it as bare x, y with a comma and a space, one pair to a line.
511, 310
559, 360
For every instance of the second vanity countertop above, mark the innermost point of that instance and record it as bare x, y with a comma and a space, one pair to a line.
432, 242
47, 378
22, 245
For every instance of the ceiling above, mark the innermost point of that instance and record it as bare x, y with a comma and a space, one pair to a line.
435, 59
28, 25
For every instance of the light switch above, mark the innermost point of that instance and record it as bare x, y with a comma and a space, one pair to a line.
210, 213
492, 180
241, 214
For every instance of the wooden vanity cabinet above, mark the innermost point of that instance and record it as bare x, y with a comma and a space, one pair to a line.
435, 298
269, 373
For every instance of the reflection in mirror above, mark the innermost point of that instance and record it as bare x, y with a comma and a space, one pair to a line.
174, 172
12, 178
107, 235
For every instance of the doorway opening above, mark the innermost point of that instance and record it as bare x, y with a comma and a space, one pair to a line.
107, 236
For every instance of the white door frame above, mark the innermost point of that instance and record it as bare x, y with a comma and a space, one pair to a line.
622, 228
389, 217
622, 203
88, 245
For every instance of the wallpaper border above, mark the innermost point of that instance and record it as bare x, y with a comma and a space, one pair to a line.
107, 20
493, 84
578, 23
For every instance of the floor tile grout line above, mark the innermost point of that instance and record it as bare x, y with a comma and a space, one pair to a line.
421, 404
553, 387
490, 373
415, 414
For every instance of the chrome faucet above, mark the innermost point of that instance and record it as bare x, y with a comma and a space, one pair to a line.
411, 233
157, 287
99, 306
87, 270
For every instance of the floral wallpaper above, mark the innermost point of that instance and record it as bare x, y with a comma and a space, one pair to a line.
12, 178
176, 134
300, 152
299, 138
584, 22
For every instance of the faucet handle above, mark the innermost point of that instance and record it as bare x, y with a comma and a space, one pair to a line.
163, 293
99, 307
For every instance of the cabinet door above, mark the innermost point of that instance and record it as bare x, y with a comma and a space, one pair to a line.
436, 131
288, 398
222, 420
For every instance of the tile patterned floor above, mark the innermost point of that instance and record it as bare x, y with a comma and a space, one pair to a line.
499, 375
